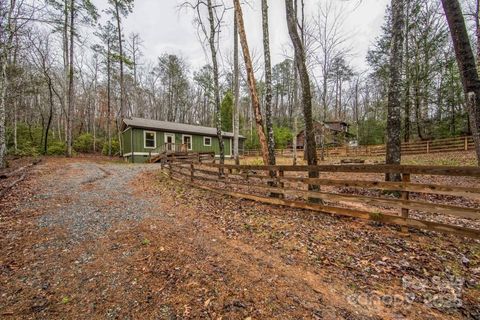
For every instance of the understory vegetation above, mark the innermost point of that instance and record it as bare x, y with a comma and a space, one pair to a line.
79, 88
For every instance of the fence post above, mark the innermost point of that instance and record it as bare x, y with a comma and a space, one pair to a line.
428, 146
221, 171
281, 174
191, 171
466, 143
405, 196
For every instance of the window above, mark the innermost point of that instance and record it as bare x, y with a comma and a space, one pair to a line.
207, 141
187, 140
150, 139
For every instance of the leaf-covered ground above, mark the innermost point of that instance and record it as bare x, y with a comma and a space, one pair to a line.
85, 239
434, 159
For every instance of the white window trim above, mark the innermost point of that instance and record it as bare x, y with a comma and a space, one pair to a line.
168, 134
191, 141
207, 145
145, 139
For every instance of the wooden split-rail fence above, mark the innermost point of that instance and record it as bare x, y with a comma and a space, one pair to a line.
426, 197
408, 148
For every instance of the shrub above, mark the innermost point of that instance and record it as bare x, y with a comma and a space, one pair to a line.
26, 149
227, 112
115, 148
99, 143
56, 148
83, 143
283, 136
252, 141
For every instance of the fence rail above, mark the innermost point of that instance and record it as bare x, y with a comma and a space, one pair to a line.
289, 186
408, 148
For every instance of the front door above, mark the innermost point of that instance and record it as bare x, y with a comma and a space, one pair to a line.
187, 142
169, 142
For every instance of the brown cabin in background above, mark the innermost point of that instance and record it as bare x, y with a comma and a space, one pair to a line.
336, 133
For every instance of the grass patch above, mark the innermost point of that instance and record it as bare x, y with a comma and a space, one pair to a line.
375, 215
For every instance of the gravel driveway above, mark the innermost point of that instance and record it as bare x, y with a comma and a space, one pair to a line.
93, 197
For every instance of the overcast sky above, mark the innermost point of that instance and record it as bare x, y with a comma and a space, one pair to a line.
165, 28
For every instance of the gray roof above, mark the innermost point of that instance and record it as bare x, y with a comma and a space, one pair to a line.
173, 127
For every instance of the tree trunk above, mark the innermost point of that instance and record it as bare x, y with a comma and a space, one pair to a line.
216, 89
120, 51
71, 93
236, 85
4, 83
477, 30
251, 82
294, 142
50, 114
66, 70
15, 127
311, 152
95, 101
466, 65
268, 86
418, 113
406, 116
109, 108
324, 92
294, 113
393, 154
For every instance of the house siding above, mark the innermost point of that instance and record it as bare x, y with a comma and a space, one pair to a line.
126, 138
139, 143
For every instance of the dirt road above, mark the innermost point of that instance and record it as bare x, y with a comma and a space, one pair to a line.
99, 240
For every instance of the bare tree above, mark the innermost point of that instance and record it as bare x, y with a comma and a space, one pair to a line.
300, 59
214, 23
236, 89
393, 154
71, 87
330, 42
6, 50
121, 7
215, 17
42, 59
268, 85
135, 52
467, 66
252, 85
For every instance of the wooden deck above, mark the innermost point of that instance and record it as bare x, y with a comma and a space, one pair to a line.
191, 156
174, 152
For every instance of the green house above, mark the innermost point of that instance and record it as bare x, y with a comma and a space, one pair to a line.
142, 138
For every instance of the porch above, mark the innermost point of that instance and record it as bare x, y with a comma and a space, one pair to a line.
168, 152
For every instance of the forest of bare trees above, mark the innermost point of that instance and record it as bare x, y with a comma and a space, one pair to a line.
65, 88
